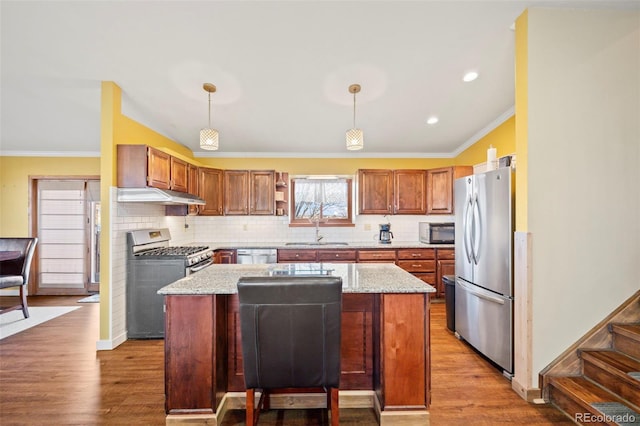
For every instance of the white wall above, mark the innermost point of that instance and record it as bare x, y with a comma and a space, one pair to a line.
584, 171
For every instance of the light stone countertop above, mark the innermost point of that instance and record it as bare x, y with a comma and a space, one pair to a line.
325, 245
356, 278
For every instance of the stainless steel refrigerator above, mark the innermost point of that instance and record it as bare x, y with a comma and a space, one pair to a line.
484, 257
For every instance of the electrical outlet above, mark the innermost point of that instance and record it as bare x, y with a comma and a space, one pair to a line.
245, 227
367, 227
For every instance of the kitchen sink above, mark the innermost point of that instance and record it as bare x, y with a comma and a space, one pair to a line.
328, 243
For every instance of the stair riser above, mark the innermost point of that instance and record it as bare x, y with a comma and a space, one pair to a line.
612, 382
567, 404
626, 345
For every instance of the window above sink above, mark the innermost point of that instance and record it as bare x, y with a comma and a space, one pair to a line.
322, 201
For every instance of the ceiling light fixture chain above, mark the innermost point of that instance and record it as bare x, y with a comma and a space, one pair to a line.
209, 136
355, 136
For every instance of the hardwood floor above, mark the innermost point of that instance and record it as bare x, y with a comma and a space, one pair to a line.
52, 374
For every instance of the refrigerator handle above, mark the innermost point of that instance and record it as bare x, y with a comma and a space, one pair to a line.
468, 288
477, 230
466, 235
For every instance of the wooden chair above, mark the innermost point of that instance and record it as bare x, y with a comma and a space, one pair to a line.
290, 338
14, 272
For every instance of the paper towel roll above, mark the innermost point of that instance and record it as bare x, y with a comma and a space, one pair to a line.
492, 162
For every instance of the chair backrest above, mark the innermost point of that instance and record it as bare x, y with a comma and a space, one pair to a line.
291, 330
21, 265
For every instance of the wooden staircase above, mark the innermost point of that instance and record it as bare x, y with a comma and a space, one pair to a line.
610, 381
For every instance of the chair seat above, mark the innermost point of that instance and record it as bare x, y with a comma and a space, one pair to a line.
7, 281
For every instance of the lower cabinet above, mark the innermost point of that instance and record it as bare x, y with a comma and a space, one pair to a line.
224, 256
420, 262
445, 265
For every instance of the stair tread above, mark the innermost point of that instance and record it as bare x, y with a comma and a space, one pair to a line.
629, 330
583, 389
615, 359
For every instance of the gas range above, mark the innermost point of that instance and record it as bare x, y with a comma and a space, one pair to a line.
153, 244
152, 263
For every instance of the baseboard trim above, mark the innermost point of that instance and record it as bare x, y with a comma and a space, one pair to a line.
108, 345
528, 394
348, 399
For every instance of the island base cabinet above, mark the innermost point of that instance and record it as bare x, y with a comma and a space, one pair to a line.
195, 351
402, 379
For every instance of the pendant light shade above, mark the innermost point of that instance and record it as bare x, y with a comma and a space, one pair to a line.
355, 136
209, 136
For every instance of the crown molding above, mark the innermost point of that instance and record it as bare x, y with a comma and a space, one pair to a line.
49, 154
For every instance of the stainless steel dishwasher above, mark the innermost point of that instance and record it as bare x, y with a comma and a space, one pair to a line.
249, 256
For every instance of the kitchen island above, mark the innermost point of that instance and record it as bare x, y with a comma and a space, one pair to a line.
385, 342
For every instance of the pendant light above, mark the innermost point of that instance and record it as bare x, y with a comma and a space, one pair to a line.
355, 137
209, 136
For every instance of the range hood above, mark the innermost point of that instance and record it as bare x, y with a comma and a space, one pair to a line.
157, 196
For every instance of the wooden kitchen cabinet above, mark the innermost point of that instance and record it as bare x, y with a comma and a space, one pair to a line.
375, 191
445, 265
210, 190
377, 256
249, 192
409, 192
192, 188
337, 256
440, 188
226, 256
420, 262
140, 166
294, 255
383, 191
236, 192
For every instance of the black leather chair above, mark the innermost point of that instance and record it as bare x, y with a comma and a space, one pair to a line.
14, 272
290, 337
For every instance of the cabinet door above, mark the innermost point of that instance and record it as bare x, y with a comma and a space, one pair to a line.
262, 192
409, 191
375, 191
444, 267
192, 188
440, 191
225, 256
158, 169
291, 255
336, 256
236, 192
381, 256
210, 189
179, 175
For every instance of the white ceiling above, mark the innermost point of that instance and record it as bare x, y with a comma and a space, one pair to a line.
282, 69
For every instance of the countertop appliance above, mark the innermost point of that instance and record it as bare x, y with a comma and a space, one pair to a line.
484, 258
436, 233
152, 263
385, 233
254, 256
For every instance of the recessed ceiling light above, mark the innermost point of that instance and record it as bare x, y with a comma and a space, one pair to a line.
432, 120
470, 76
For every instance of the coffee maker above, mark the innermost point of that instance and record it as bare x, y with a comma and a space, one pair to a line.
385, 233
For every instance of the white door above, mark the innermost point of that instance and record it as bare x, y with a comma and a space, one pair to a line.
66, 232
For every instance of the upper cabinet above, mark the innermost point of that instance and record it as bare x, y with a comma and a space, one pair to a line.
440, 188
140, 166
375, 191
210, 184
409, 191
249, 192
391, 191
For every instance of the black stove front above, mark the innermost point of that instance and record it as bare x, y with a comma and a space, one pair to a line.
152, 264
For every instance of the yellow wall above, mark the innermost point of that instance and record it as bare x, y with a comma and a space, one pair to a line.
502, 138
14, 185
338, 166
118, 129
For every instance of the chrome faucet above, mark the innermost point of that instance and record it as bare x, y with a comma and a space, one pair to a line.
318, 236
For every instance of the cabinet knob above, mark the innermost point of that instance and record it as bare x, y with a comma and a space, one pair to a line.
337, 255
297, 255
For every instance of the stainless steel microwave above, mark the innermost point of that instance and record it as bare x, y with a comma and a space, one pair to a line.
437, 233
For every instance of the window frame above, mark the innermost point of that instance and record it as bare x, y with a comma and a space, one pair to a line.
348, 221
